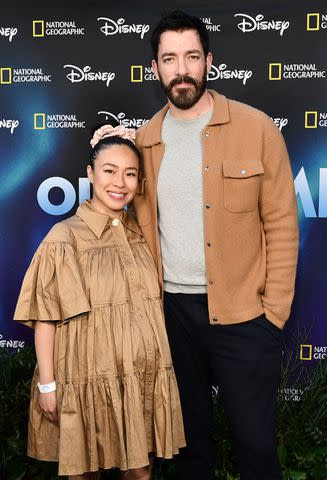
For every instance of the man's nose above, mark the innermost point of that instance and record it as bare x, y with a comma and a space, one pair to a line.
182, 67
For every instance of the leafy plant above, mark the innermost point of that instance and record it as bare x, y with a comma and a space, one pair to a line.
302, 425
16, 370
302, 422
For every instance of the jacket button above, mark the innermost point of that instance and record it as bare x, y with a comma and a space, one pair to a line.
206, 168
207, 134
115, 222
210, 282
209, 244
243, 172
208, 205
215, 319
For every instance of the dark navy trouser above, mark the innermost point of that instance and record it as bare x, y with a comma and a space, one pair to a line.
244, 361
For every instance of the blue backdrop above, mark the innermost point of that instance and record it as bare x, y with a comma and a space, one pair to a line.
63, 70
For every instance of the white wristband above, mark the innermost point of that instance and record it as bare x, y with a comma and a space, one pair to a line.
47, 388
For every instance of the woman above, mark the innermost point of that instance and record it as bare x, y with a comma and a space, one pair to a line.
104, 393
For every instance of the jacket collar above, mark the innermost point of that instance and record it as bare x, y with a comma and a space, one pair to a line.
152, 134
97, 221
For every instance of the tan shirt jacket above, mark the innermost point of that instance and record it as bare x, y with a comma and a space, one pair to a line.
249, 210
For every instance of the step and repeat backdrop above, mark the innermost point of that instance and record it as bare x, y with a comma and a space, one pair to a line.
64, 70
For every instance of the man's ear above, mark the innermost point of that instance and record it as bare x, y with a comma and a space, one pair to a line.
155, 68
209, 60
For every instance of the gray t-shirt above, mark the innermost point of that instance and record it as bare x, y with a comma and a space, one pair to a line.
180, 205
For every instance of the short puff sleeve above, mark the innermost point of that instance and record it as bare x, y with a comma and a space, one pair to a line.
52, 288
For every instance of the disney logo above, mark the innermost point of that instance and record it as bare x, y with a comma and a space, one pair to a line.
110, 27
122, 120
10, 124
249, 24
11, 343
77, 74
280, 122
9, 32
222, 72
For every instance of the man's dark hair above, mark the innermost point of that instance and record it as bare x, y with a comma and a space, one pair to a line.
179, 21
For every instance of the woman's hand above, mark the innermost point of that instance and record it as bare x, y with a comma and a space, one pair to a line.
48, 406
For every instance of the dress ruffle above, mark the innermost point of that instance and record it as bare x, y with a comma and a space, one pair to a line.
105, 418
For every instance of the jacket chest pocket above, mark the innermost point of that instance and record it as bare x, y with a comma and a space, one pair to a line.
241, 186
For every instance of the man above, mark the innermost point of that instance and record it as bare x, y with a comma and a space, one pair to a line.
217, 208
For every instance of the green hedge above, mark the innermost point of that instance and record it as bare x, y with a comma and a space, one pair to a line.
302, 425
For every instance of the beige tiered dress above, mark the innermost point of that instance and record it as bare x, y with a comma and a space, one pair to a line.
117, 397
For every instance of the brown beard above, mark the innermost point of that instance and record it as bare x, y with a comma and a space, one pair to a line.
186, 97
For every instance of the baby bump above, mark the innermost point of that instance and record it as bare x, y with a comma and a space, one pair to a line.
110, 340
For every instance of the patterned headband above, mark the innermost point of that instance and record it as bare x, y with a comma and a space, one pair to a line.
110, 131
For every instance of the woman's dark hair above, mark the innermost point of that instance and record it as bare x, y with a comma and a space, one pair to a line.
179, 21
108, 142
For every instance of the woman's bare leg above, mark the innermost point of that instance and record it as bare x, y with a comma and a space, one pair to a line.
86, 476
143, 473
